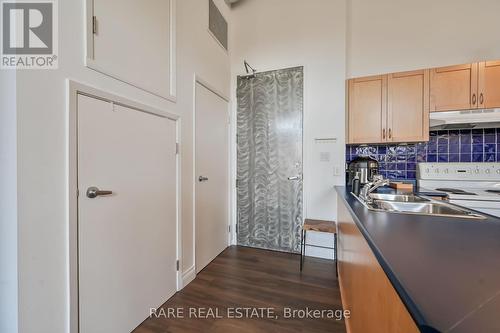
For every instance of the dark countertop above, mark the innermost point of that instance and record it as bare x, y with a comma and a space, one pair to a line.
446, 270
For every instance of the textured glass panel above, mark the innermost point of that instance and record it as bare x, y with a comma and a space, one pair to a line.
269, 145
217, 24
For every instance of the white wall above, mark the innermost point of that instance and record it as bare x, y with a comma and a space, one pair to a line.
43, 157
399, 35
274, 34
8, 202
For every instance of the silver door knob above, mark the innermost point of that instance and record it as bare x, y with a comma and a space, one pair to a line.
94, 192
294, 178
202, 179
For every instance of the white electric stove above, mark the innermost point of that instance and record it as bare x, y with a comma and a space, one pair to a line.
471, 185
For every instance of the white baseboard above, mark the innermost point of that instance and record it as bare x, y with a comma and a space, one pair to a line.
187, 277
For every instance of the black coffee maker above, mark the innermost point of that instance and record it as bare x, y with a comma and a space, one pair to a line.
366, 166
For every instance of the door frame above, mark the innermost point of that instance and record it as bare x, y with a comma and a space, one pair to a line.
190, 273
74, 89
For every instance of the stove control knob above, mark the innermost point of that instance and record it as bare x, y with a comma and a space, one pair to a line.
476, 171
427, 170
446, 171
487, 171
498, 171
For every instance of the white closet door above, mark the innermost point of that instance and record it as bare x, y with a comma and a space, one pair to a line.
132, 42
212, 166
126, 240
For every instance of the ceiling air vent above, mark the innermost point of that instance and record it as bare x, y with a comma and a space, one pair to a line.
217, 24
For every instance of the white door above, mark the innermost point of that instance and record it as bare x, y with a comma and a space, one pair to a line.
212, 176
126, 240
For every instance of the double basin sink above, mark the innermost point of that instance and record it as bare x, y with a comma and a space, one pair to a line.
414, 204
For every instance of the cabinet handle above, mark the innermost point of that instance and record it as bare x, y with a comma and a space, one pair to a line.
473, 99
383, 134
481, 99
390, 133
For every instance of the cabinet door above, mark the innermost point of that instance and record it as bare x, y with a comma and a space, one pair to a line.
367, 109
454, 88
408, 106
133, 42
489, 84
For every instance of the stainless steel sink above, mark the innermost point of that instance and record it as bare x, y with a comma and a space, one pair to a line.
413, 204
425, 208
397, 197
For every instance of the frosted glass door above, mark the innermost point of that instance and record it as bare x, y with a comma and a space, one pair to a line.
269, 167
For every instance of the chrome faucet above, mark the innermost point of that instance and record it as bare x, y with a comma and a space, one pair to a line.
377, 182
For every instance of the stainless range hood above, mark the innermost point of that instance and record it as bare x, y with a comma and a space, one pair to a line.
466, 119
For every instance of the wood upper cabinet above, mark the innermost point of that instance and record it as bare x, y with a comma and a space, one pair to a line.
465, 87
454, 88
489, 84
367, 109
395, 107
365, 289
408, 106
389, 108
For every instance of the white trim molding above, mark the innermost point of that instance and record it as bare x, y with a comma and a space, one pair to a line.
187, 277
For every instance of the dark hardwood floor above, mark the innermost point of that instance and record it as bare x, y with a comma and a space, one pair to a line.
243, 277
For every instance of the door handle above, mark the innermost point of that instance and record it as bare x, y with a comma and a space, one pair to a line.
94, 192
202, 179
473, 99
481, 99
294, 178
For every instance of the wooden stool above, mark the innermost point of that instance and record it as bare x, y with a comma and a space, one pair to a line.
320, 226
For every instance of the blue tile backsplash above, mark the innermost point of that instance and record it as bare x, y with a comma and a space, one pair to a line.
399, 161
